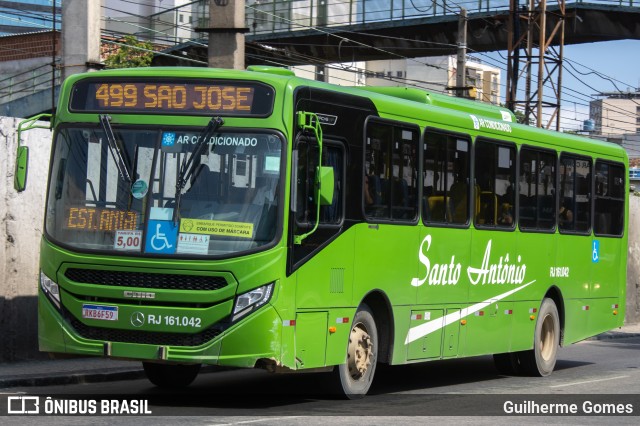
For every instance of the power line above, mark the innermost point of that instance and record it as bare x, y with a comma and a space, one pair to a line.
315, 28
273, 18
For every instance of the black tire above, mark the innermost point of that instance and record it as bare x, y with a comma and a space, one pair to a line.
355, 376
171, 375
507, 364
541, 360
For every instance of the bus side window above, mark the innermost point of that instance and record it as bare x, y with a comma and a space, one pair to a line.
495, 175
609, 200
333, 156
390, 177
445, 179
537, 188
574, 203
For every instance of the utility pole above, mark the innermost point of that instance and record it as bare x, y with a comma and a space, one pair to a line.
80, 36
461, 67
534, 27
53, 57
321, 73
226, 34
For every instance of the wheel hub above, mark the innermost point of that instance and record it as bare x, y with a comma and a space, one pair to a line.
360, 352
547, 338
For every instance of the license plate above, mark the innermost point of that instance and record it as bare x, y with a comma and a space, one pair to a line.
98, 312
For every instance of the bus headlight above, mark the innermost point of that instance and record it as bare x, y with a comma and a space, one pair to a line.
251, 300
50, 289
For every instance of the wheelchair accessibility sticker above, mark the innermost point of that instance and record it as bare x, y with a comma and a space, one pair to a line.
161, 237
595, 251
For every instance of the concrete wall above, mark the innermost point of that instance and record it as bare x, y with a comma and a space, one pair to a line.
20, 232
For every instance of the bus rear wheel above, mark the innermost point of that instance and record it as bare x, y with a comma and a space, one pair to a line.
356, 375
541, 360
171, 375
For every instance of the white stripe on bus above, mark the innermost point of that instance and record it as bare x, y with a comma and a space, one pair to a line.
422, 330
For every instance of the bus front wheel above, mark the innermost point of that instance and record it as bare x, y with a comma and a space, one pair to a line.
171, 375
541, 360
356, 375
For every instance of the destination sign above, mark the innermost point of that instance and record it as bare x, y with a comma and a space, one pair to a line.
96, 219
158, 96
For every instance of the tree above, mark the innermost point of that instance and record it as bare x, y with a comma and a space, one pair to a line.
520, 118
519, 115
131, 53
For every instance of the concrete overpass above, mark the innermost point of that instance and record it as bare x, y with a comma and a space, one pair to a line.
308, 31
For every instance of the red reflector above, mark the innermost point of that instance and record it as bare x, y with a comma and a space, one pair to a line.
614, 306
480, 313
585, 308
289, 323
508, 312
533, 310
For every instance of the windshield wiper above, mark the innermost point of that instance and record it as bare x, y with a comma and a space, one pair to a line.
188, 167
114, 148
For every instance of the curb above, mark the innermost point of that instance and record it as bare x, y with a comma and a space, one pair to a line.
614, 335
85, 376
72, 378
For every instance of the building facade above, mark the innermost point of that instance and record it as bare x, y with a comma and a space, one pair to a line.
436, 74
617, 113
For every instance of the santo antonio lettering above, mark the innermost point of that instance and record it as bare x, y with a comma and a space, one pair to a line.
503, 272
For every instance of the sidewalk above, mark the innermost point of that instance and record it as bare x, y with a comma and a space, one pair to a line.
67, 371
92, 370
627, 330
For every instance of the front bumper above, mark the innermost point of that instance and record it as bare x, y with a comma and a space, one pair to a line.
258, 336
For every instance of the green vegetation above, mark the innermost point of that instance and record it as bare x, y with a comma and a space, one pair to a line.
132, 53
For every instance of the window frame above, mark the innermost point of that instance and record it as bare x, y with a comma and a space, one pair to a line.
576, 157
423, 149
516, 169
328, 142
625, 176
537, 229
389, 217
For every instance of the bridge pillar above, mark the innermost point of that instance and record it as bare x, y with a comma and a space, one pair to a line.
226, 34
80, 36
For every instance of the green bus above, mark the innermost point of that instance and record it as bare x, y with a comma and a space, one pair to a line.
257, 219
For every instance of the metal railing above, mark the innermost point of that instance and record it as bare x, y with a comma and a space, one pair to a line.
27, 83
265, 17
274, 16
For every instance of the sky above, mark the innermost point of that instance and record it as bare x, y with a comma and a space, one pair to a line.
618, 60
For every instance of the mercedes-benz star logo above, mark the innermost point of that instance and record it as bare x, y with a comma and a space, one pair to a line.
137, 319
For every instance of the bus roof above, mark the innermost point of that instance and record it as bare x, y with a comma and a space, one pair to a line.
444, 101
444, 109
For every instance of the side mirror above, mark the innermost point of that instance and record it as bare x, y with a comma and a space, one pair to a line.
22, 152
20, 174
326, 182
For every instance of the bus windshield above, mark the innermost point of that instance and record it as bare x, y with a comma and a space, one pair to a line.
122, 194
